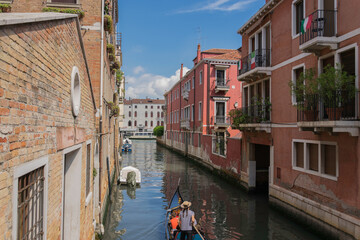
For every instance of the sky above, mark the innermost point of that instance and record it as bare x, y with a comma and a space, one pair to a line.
159, 35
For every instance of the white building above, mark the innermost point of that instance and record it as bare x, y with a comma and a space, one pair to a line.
142, 115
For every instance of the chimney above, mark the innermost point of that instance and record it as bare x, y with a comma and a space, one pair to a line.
181, 71
198, 53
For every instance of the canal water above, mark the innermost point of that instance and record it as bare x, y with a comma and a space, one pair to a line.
223, 209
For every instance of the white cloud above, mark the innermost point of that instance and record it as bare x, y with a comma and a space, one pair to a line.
219, 5
138, 69
150, 85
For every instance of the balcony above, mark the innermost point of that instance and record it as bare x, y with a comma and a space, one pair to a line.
253, 118
185, 94
321, 32
221, 121
185, 124
255, 66
339, 114
221, 85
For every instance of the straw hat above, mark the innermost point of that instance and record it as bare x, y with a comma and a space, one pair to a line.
185, 204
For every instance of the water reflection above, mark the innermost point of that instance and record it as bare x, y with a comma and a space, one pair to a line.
224, 211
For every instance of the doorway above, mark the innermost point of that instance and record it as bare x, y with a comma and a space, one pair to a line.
71, 195
262, 158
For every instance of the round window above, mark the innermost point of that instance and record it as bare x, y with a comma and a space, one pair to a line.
75, 91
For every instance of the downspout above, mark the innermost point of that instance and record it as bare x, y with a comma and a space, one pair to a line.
208, 100
101, 101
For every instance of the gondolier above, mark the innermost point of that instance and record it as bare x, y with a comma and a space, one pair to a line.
186, 221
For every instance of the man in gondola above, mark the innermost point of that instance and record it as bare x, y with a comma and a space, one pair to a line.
186, 221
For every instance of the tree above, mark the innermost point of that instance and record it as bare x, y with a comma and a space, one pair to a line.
158, 131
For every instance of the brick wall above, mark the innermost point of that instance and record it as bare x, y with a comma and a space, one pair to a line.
35, 74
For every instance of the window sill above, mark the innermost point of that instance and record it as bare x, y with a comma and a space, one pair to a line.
63, 5
217, 154
295, 36
334, 178
88, 199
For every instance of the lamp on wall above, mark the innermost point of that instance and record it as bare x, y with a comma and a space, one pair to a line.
235, 104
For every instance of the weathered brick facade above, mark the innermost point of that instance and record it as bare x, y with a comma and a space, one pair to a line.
36, 63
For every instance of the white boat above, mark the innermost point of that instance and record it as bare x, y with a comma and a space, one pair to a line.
124, 172
143, 135
127, 141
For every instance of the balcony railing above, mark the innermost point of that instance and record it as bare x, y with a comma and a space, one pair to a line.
185, 94
221, 85
257, 113
185, 123
343, 106
220, 121
323, 24
258, 58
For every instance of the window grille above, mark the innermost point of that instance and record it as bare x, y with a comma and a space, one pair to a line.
30, 209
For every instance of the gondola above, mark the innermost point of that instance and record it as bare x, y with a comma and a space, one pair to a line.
174, 205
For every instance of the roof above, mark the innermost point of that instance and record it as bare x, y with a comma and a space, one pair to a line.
259, 15
144, 101
218, 50
21, 18
231, 55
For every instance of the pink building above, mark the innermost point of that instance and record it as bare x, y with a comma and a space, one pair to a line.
197, 106
304, 149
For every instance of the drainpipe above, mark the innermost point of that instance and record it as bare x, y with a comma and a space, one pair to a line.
180, 90
208, 100
101, 101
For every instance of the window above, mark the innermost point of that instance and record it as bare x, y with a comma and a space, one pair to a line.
135, 106
88, 154
135, 114
162, 123
145, 123
75, 91
218, 146
152, 107
298, 13
200, 77
200, 111
64, 1
297, 71
135, 123
193, 82
151, 114
151, 123
158, 114
129, 114
220, 111
157, 123
158, 107
316, 157
129, 106
129, 123
220, 75
146, 114
145, 106
192, 112
162, 114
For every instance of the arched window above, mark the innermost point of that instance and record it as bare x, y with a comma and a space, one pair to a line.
145, 123
162, 114
158, 114
162, 123
135, 123
151, 107
151, 114
151, 123
135, 114
157, 124
129, 123
129, 114
145, 113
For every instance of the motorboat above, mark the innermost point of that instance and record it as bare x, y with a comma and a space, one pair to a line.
126, 147
124, 175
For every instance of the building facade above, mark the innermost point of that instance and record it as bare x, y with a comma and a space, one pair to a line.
197, 110
142, 115
95, 26
304, 149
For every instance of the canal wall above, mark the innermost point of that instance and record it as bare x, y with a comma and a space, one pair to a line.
227, 167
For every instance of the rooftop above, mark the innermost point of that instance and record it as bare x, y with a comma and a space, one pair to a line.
21, 18
144, 101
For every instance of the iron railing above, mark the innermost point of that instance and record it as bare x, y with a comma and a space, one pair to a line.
256, 113
222, 82
258, 58
323, 24
343, 106
220, 120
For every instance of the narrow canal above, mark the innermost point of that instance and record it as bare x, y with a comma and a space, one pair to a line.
224, 210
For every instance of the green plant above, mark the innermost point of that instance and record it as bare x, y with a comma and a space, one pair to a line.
263, 109
111, 57
4, 7
237, 117
114, 109
116, 65
94, 172
333, 83
119, 76
80, 13
110, 48
108, 23
305, 89
158, 131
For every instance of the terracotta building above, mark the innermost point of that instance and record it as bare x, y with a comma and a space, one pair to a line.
95, 32
197, 107
301, 147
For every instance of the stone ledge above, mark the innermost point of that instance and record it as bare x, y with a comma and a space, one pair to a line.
21, 18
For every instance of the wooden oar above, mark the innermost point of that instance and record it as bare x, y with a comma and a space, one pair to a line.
198, 232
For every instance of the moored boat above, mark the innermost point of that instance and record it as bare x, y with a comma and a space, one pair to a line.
126, 147
124, 174
174, 206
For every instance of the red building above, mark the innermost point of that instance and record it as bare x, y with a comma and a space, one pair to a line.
197, 106
304, 148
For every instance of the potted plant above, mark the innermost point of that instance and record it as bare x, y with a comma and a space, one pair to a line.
237, 117
110, 48
108, 23
306, 92
337, 88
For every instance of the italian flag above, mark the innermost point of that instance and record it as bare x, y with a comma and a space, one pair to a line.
306, 24
252, 57
239, 65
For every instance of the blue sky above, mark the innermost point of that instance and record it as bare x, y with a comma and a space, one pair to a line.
159, 35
